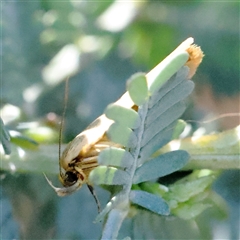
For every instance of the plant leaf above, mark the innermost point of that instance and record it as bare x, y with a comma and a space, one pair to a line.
176, 79
161, 166
158, 117
159, 140
149, 201
190, 210
155, 127
118, 113
178, 93
23, 141
179, 128
122, 135
137, 88
171, 65
182, 192
45, 159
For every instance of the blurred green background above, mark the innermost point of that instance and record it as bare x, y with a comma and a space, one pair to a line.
99, 45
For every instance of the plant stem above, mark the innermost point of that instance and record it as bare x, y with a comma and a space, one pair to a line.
214, 162
113, 223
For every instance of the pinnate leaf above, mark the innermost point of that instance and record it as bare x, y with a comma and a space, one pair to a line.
149, 201
137, 88
161, 166
119, 113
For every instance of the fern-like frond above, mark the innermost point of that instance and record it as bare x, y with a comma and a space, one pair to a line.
140, 130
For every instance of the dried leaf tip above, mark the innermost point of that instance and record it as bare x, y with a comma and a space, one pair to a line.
195, 58
195, 55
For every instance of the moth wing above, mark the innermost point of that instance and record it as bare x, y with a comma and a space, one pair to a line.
85, 140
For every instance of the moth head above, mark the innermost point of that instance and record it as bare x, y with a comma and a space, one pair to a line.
72, 175
71, 184
72, 179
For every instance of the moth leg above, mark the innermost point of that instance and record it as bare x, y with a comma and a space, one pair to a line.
95, 197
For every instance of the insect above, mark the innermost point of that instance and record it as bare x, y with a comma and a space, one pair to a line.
80, 156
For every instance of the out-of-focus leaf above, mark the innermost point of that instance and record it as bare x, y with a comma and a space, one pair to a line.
214, 151
5, 138
45, 159
43, 134
161, 166
188, 197
179, 128
182, 192
137, 88
149, 201
23, 141
151, 187
119, 113
225, 143
190, 210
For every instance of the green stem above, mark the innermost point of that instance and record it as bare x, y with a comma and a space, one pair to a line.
113, 223
214, 162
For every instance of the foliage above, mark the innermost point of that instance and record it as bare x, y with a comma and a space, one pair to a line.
99, 60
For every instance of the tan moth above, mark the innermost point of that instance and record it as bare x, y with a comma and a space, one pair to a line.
81, 155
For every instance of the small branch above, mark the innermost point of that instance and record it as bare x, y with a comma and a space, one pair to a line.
113, 223
214, 162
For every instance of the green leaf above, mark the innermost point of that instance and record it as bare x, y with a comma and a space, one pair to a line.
122, 135
149, 201
158, 111
137, 88
213, 151
174, 82
190, 210
164, 120
165, 71
182, 192
117, 157
45, 159
164, 108
158, 116
161, 166
152, 187
124, 116
108, 176
43, 134
23, 141
169, 99
157, 141
179, 128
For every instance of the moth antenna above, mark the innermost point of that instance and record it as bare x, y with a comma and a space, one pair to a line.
62, 124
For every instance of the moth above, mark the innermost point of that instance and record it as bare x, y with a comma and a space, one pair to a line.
81, 155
